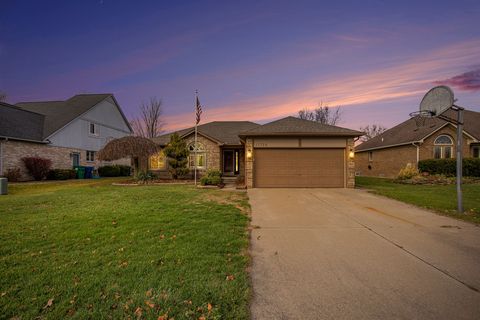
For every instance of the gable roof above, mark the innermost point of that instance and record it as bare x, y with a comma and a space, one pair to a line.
222, 132
60, 113
407, 132
16, 123
295, 126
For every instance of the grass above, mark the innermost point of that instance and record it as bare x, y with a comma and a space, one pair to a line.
87, 249
440, 198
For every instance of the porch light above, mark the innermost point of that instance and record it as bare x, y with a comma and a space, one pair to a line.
351, 154
249, 154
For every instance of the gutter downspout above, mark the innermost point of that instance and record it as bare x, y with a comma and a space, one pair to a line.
418, 150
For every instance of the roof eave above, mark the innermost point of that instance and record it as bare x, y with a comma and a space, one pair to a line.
300, 134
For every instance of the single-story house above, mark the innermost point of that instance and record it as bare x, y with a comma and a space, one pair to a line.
289, 152
69, 132
407, 143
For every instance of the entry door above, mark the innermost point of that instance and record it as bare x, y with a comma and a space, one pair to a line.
228, 161
75, 159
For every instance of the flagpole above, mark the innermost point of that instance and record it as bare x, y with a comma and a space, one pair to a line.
195, 145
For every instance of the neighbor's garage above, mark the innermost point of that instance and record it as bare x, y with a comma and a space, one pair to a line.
299, 168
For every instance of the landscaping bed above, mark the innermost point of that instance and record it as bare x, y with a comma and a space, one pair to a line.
86, 249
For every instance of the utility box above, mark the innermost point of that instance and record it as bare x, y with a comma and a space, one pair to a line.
3, 186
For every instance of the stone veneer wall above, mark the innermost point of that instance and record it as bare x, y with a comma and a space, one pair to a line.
13, 151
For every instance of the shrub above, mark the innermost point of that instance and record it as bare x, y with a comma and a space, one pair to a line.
212, 177
448, 167
144, 177
37, 167
408, 172
177, 154
114, 171
13, 174
61, 174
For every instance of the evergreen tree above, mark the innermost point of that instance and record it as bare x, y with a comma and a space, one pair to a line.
177, 154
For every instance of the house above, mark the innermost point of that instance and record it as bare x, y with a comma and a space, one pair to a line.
69, 132
289, 152
387, 153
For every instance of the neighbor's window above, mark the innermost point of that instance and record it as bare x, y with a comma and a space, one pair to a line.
476, 152
93, 128
201, 155
157, 161
370, 156
443, 147
90, 156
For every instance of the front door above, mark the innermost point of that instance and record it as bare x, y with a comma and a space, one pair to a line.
228, 161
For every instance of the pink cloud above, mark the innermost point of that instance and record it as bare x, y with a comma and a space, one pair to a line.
468, 81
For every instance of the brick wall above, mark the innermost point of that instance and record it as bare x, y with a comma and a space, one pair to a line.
248, 163
13, 151
388, 162
350, 165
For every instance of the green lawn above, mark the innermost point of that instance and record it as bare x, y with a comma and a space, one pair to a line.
440, 198
87, 249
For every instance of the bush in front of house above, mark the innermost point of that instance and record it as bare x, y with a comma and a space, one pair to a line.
144, 177
177, 156
114, 171
37, 167
408, 172
212, 177
13, 174
61, 174
448, 167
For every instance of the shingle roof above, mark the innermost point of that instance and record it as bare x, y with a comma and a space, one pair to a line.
408, 132
16, 123
296, 126
60, 113
223, 132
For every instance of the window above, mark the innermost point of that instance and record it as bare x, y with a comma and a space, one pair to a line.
93, 128
157, 161
201, 156
443, 147
476, 152
370, 156
90, 156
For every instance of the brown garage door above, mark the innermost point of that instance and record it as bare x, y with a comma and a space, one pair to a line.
299, 168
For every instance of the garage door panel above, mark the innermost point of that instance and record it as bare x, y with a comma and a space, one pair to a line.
299, 168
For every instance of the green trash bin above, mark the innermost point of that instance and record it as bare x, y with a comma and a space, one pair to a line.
80, 172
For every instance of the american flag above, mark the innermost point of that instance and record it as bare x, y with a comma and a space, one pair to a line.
199, 110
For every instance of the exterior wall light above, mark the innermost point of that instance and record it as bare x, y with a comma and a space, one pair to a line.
351, 154
249, 154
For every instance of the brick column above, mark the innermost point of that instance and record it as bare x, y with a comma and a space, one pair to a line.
249, 163
350, 165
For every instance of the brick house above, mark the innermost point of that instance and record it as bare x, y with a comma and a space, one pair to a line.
385, 154
289, 152
67, 132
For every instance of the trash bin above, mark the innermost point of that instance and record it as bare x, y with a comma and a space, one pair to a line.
88, 172
80, 172
3, 186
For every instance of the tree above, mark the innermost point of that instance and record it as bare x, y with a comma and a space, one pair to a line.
149, 124
177, 154
3, 96
322, 114
372, 130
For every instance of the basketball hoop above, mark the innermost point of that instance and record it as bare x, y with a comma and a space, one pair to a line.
421, 116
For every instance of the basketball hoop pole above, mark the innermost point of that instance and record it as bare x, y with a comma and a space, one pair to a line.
459, 156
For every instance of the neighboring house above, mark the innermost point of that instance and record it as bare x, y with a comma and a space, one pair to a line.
387, 153
289, 152
67, 132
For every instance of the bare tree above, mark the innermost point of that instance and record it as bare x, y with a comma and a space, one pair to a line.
3, 96
149, 124
322, 114
372, 130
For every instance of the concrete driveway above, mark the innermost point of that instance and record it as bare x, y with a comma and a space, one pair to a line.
348, 254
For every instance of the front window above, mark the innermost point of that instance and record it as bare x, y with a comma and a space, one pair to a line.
443, 147
157, 161
93, 128
90, 156
201, 155
476, 152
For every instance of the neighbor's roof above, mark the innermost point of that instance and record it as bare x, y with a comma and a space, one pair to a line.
296, 126
408, 132
222, 132
60, 113
16, 123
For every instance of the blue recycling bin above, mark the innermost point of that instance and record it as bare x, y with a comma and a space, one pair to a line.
88, 172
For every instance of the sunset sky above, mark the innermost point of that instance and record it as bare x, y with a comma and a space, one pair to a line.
257, 61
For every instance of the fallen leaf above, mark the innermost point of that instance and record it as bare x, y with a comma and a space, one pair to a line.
117, 296
124, 264
174, 237
138, 312
162, 236
201, 318
150, 304
209, 307
163, 317
3, 293
71, 312
114, 222
49, 304
230, 278
149, 292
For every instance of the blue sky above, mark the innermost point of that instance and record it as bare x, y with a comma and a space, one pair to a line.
256, 61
